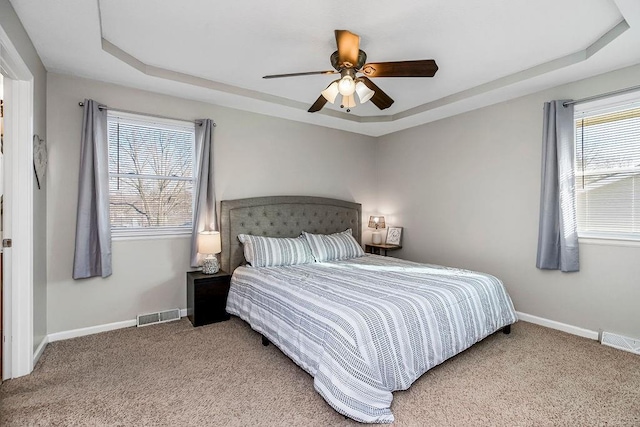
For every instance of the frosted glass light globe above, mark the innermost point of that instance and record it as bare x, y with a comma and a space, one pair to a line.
331, 92
346, 86
364, 93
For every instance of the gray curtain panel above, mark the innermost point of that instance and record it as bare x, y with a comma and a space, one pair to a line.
204, 217
558, 233
93, 231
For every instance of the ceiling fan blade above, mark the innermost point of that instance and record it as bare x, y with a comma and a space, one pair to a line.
348, 48
420, 68
307, 73
380, 99
317, 106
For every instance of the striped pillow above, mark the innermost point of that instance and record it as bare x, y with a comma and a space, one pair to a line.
334, 246
262, 251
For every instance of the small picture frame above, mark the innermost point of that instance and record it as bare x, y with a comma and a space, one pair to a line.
394, 236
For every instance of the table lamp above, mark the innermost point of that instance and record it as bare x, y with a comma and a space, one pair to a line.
209, 244
376, 222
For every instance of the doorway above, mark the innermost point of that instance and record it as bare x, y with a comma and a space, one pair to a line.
17, 218
1, 211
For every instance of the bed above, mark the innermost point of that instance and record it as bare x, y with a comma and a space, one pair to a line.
365, 326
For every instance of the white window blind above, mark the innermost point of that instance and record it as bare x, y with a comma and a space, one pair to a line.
608, 172
151, 174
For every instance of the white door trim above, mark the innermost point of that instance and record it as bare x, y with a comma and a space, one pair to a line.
18, 284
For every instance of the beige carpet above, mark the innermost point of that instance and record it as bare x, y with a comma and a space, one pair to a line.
220, 375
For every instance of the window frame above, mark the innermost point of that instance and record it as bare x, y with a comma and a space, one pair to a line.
601, 107
145, 233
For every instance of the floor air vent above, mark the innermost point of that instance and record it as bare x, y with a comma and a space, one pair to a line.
159, 317
620, 342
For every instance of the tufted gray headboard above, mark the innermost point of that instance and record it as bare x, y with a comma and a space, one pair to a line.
282, 216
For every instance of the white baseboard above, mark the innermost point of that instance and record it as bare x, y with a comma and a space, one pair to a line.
40, 350
570, 329
74, 333
65, 335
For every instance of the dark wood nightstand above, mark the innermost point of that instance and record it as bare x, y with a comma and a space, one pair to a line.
207, 297
377, 249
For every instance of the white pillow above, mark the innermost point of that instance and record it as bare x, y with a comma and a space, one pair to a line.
329, 247
262, 251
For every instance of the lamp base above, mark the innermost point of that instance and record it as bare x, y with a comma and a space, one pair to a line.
376, 238
210, 265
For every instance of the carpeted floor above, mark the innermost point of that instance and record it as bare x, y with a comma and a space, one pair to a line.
221, 375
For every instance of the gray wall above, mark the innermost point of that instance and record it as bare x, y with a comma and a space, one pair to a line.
13, 27
255, 155
465, 188
467, 191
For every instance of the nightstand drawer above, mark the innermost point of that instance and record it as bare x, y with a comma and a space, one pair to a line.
207, 297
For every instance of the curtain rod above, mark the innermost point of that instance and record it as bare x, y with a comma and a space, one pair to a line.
104, 107
603, 95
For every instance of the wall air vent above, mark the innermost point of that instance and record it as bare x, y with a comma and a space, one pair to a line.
159, 317
620, 342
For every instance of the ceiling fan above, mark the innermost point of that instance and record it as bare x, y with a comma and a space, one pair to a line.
349, 60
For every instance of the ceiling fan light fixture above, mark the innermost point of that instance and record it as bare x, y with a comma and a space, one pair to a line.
331, 92
364, 93
346, 86
349, 60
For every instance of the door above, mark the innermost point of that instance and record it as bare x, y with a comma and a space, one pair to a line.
1, 220
1, 224
17, 304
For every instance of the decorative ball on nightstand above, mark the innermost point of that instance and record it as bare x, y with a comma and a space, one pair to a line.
209, 243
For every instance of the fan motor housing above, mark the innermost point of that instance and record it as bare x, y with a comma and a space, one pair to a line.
362, 58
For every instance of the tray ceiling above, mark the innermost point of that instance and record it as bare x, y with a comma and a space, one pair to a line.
217, 52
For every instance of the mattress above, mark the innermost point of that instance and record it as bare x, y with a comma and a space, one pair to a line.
368, 326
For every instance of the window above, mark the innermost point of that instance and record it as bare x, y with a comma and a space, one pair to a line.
608, 170
151, 175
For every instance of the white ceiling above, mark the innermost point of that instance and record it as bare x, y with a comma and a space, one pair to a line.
488, 51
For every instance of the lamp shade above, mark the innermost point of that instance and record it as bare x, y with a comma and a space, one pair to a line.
376, 222
209, 242
364, 93
331, 92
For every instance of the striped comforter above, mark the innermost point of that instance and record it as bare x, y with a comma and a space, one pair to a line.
368, 326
